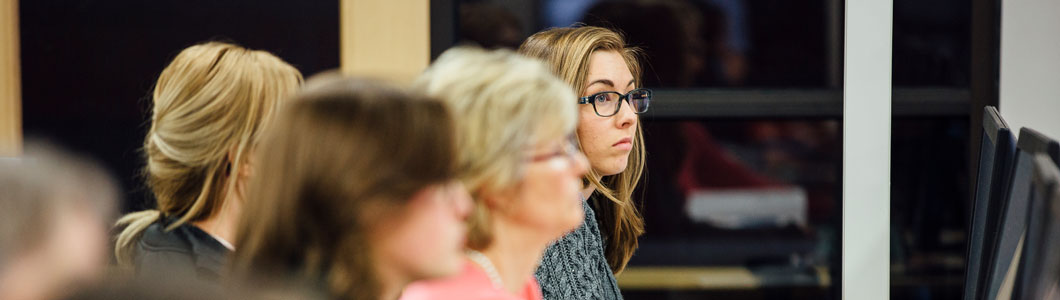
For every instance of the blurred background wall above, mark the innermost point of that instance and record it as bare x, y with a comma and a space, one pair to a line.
1030, 65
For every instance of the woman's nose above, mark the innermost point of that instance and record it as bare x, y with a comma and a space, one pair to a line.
626, 116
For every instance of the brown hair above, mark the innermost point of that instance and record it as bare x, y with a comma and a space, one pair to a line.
210, 102
342, 156
567, 52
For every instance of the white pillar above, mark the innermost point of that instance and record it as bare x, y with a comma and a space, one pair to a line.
867, 150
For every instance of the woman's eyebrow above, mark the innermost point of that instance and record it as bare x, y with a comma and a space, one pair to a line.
604, 81
630, 82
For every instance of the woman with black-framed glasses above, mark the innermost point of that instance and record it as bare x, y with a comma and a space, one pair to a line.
604, 72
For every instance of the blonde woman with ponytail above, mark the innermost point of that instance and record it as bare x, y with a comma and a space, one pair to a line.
605, 75
209, 106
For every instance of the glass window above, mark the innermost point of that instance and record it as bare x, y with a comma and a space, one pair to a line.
688, 44
747, 207
88, 67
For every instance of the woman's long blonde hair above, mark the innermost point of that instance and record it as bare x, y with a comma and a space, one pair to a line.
342, 158
567, 52
209, 106
505, 103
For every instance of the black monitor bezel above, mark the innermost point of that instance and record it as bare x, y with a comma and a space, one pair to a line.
984, 207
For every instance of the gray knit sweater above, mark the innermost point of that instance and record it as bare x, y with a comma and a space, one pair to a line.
575, 267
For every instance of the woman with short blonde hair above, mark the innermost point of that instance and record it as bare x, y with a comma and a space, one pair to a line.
514, 124
209, 107
605, 74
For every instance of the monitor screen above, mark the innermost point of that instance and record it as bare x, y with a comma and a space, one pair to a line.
1038, 273
1014, 211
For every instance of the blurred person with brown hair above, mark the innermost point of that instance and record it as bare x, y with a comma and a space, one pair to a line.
604, 74
54, 211
355, 193
209, 107
514, 122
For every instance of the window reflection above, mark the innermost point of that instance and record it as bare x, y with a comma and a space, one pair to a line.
752, 195
687, 43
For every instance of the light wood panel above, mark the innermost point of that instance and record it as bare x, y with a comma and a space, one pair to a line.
387, 39
10, 81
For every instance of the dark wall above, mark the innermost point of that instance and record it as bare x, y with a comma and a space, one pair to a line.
89, 66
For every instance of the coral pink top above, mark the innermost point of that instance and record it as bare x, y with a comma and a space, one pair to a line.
472, 283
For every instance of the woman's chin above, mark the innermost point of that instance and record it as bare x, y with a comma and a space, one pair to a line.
613, 168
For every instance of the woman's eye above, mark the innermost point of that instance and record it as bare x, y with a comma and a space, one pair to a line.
601, 98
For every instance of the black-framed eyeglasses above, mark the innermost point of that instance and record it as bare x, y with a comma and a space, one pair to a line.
607, 104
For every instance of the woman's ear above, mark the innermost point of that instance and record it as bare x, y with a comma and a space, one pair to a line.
245, 167
500, 201
490, 200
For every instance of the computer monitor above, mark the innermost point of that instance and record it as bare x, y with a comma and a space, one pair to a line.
1014, 208
995, 159
1039, 267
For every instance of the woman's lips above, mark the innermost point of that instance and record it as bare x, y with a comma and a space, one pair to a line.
625, 144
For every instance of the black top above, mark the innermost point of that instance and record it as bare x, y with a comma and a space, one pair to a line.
184, 252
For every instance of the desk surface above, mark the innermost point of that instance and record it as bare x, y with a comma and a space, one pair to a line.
721, 277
